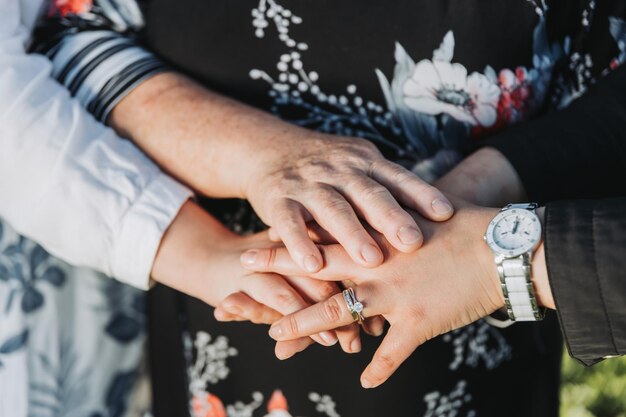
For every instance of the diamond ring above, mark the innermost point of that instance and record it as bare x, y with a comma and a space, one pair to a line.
354, 305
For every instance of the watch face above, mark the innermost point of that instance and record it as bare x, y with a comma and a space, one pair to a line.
513, 232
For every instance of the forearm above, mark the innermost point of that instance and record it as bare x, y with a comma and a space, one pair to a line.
190, 247
208, 141
485, 178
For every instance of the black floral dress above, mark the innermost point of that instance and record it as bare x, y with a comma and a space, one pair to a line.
425, 81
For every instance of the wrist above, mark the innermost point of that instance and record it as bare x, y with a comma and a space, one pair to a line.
486, 260
190, 246
539, 270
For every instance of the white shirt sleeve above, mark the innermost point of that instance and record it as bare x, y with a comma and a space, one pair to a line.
68, 182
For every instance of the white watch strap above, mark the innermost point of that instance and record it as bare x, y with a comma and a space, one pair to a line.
519, 294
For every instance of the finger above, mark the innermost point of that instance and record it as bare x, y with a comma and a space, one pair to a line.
349, 338
273, 291
285, 350
289, 224
381, 210
396, 347
273, 235
319, 235
316, 234
314, 290
326, 315
243, 306
332, 212
221, 315
338, 265
374, 326
412, 191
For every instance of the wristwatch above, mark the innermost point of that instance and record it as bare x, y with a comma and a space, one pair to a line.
513, 235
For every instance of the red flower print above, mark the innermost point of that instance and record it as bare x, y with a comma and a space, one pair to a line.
277, 405
208, 406
515, 94
70, 7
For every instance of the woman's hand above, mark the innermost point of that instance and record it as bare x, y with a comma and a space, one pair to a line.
450, 282
200, 257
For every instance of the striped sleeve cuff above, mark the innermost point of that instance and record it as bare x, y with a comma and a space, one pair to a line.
101, 67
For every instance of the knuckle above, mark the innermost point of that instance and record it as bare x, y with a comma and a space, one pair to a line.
385, 363
430, 190
293, 326
331, 310
290, 224
285, 300
374, 193
336, 204
267, 257
402, 176
327, 290
396, 214
367, 147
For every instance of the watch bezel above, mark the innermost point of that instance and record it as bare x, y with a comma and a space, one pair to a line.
511, 253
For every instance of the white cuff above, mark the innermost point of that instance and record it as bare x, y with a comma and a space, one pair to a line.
142, 228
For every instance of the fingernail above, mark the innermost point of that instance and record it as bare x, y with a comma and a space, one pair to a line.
377, 329
441, 206
276, 332
366, 383
249, 257
329, 338
311, 263
219, 315
282, 355
232, 309
371, 253
355, 345
409, 235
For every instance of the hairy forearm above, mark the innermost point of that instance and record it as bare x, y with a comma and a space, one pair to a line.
206, 140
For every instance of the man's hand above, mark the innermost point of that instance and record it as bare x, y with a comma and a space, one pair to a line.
291, 175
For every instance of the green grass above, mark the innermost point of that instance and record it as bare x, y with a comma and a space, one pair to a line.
599, 391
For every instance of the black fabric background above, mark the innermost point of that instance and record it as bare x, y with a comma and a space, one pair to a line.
214, 42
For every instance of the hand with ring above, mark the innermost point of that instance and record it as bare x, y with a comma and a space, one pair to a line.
449, 283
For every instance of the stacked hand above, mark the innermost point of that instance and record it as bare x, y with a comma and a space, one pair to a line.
450, 282
294, 177
200, 257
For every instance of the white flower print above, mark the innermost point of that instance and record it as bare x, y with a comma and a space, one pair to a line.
438, 86
448, 405
476, 344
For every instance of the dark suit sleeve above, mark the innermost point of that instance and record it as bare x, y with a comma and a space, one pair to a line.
578, 152
585, 245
